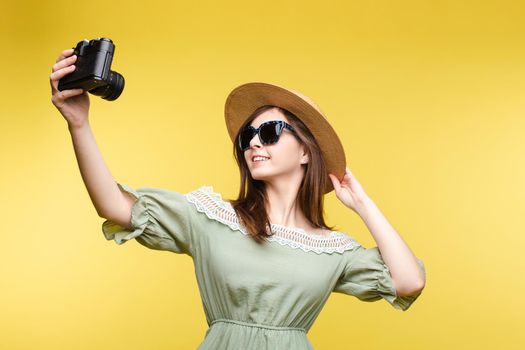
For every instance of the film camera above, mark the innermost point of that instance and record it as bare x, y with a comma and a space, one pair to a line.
92, 70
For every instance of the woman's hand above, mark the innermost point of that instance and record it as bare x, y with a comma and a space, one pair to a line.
72, 104
349, 191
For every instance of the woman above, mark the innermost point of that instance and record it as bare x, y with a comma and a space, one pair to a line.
265, 262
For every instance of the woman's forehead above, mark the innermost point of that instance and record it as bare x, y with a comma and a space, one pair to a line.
271, 114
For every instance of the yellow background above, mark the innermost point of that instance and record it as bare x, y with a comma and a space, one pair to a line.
426, 96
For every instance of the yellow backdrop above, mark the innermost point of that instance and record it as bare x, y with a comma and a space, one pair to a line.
426, 96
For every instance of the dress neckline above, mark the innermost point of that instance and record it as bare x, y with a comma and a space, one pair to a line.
277, 226
302, 230
209, 202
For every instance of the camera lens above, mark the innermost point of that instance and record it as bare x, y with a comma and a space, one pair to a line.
113, 89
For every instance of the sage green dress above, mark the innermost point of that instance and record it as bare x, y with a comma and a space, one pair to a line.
255, 296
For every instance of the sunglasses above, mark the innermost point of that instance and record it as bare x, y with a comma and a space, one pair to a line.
269, 133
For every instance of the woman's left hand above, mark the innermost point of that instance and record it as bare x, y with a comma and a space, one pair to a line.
349, 191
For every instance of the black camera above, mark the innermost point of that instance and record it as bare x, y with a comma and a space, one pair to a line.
92, 70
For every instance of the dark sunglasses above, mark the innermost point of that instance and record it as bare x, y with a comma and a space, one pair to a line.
269, 133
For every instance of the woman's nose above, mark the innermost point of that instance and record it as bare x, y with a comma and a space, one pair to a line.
255, 142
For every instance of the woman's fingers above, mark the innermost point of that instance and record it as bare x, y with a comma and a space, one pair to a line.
64, 54
59, 74
65, 62
63, 66
335, 182
63, 95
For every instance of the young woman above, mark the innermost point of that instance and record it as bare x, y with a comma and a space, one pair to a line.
265, 262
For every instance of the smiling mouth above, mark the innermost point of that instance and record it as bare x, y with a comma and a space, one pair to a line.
259, 159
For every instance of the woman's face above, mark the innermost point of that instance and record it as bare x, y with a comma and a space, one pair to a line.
284, 158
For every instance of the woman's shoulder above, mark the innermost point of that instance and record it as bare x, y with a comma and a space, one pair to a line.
207, 201
206, 196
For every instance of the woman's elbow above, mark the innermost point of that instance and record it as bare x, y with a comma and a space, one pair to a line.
412, 289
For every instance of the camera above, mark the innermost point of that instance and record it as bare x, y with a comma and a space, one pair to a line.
92, 70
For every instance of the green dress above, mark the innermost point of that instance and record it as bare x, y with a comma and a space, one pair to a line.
255, 296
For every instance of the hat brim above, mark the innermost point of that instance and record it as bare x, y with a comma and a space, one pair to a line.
246, 98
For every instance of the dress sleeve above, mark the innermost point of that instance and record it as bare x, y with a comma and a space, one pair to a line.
160, 219
367, 277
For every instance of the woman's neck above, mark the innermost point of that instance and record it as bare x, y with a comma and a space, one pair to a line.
282, 207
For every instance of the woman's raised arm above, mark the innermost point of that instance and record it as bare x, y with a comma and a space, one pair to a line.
109, 201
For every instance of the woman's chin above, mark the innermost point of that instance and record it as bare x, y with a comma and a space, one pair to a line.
260, 174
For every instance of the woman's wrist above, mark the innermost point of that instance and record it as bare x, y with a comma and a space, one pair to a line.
75, 128
365, 207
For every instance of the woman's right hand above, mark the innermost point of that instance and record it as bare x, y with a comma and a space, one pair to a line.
72, 104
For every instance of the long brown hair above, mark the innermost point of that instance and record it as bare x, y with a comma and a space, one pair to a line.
250, 204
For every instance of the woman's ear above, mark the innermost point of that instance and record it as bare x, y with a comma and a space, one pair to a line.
304, 156
304, 159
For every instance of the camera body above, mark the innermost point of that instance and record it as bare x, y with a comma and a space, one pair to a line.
93, 70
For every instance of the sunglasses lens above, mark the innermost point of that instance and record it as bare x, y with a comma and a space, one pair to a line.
269, 133
245, 138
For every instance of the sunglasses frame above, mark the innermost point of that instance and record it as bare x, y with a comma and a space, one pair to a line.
256, 131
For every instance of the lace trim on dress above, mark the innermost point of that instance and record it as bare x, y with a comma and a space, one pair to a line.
207, 201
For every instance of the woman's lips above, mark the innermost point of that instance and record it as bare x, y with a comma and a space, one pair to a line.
258, 161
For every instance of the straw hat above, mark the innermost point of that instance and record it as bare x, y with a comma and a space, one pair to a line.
246, 98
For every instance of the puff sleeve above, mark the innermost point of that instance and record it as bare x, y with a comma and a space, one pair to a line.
161, 219
367, 277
